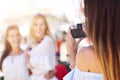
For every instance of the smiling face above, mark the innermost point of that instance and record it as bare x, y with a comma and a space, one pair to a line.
14, 37
39, 27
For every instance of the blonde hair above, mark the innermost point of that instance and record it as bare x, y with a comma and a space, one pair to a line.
34, 19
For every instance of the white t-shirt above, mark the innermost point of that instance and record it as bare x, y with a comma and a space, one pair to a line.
15, 67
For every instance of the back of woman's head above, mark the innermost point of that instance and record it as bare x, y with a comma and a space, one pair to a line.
103, 28
7, 45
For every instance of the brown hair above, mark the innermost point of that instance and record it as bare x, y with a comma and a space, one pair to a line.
103, 28
8, 47
36, 17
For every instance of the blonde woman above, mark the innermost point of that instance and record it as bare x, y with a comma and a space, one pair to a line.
42, 56
13, 61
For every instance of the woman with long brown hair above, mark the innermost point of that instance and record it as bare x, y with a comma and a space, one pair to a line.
42, 56
101, 61
13, 61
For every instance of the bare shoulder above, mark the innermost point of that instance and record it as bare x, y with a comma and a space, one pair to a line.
87, 61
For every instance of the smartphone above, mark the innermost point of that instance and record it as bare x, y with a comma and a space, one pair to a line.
77, 31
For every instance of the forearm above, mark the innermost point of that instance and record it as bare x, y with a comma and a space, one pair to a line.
29, 65
72, 59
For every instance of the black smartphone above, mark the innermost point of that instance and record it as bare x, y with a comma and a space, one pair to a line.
77, 31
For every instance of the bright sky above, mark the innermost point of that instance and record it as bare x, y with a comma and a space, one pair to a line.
13, 8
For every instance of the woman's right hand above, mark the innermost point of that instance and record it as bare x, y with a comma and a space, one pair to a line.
72, 46
50, 74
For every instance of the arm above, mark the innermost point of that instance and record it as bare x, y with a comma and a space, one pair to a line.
47, 50
52, 60
72, 46
28, 60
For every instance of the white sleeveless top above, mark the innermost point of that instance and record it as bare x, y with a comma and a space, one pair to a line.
15, 68
76, 74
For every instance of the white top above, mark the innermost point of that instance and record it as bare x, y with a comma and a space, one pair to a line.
15, 68
76, 74
42, 58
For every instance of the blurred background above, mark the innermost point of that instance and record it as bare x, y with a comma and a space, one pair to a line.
60, 14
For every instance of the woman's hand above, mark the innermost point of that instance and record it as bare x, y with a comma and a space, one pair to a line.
50, 74
72, 46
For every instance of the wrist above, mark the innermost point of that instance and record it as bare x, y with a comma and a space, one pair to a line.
72, 59
72, 56
72, 65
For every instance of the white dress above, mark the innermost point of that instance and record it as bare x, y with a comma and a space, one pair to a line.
42, 58
76, 74
15, 68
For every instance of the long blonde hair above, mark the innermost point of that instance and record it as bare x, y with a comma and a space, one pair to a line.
34, 19
8, 47
103, 28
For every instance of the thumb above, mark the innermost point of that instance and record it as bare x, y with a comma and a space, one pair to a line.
79, 41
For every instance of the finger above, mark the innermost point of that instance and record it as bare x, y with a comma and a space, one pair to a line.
70, 37
79, 40
77, 43
69, 33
